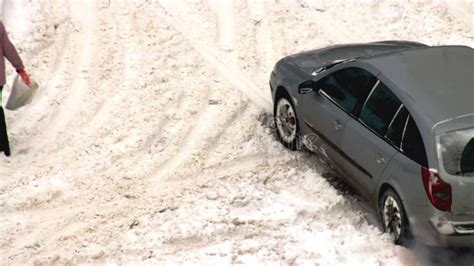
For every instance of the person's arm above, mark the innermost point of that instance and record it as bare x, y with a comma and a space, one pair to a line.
9, 51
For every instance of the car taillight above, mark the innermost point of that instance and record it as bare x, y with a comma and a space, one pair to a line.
437, 190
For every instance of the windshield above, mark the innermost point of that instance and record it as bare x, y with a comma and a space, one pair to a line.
457, 152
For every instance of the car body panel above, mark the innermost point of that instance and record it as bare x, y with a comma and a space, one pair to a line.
404, 176
370, 155
321, 111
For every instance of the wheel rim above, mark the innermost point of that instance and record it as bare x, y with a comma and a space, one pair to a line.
286, 120
392, 217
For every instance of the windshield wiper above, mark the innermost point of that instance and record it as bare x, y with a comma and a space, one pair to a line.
332, 64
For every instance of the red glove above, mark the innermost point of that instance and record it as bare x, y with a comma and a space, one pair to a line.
25, 77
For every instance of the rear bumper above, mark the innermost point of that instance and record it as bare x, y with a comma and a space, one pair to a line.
442, 231
449, 240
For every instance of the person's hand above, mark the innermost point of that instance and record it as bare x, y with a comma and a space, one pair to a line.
25, 77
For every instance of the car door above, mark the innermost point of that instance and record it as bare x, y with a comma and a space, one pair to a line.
367, 140
327, 111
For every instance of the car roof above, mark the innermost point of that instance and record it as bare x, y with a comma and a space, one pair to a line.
314, 59
439, 80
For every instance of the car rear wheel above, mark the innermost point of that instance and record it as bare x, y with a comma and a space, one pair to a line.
286, 123
394, 218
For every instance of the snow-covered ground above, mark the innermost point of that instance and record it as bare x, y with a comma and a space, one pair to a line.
149, 141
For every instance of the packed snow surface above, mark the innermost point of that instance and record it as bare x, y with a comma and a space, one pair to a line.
149, 141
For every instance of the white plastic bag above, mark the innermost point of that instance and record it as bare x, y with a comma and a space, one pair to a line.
21, 94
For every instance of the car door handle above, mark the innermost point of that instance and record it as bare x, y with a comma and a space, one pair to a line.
380, 160
337, 125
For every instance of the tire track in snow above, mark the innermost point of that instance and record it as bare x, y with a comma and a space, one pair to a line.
115, 66
210, 142
230, 73
245, 162
264, 45
123, 79
111, 120
335, 32
226, 25
165, 124
108, 118
70, 107
192, 142
224, 127
103, 102
185, 139
226, 35
33, 236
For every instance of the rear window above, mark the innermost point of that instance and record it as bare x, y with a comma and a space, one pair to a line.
457, 152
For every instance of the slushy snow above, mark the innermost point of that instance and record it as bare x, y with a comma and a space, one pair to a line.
149, 141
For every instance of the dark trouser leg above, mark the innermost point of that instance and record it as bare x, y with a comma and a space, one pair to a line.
4, 144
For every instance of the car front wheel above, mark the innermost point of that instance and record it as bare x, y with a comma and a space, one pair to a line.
394, 218
286, 123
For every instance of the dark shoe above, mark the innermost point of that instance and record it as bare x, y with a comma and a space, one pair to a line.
6, 152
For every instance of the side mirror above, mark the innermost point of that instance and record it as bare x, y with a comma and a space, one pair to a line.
307, 87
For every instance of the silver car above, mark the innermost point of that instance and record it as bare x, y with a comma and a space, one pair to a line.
396, 121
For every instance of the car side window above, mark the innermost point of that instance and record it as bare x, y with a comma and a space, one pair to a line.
412, 144
380, 108
348, 87
395, 129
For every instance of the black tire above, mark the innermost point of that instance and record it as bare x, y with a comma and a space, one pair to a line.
401, 236
294, 142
